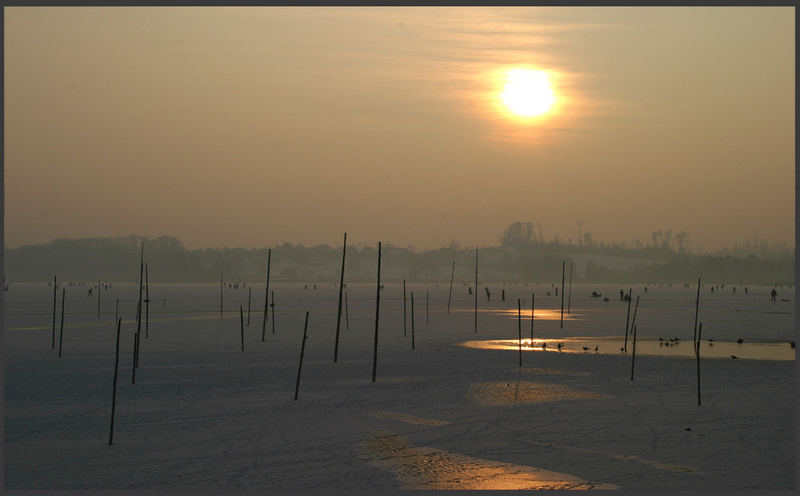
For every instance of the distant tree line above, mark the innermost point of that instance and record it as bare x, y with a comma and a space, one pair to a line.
523, 256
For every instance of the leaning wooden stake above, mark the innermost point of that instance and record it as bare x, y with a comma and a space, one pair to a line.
633, 321
697, 355
377, 314
633, 355
139, 312
412, 320
272, 305
339, 310
519, 329
114, 389
450, 294
404, 308
346, 313
249, 297
61, 333
55, 292
302, 351
563, 267
696, 309
569, 299
266, 297
476, 291
627, 319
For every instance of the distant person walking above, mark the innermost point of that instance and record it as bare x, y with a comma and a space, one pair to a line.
773, 294
621, 295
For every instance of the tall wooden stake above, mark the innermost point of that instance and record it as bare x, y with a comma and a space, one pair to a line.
272, 305
450, 294
476, 290
249, 297
633, 355
139, 312
563, 267
114, 389
55, 292
633, 321
519, 329
412, 320
266, 297
377, 314
61, 333
404, 308
346, 312
696, 309
627, 319
697, 355
569, 299
241, 323
339, 310
302, 351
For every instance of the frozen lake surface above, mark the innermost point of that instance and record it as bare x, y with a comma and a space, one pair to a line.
446, 415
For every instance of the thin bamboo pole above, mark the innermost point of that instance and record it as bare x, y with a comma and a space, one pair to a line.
266, 298
627, 319
302, 351
339, 310
114, 389
696, 310
377, 314
450, 294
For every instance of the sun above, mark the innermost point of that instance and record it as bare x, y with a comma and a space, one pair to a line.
527, 92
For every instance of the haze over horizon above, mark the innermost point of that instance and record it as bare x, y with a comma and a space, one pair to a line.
252, 127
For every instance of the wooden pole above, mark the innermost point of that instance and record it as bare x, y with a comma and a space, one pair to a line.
146, 304
696, 309
633, 321
563, 267
412, 320
249, 297
241, 323
98, 300
346, 312
55, 292
114, 389
61, 333
339, 310
697, 355
633, 355
476, 290
302, 351
569, 299
266, 298
450, 294
519, 329
139, 312
377, 314
627, 319
533, 299
404, 308
272, 305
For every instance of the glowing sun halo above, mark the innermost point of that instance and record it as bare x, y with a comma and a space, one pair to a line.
527, 93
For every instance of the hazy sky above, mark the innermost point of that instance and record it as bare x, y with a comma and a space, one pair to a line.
233, 126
